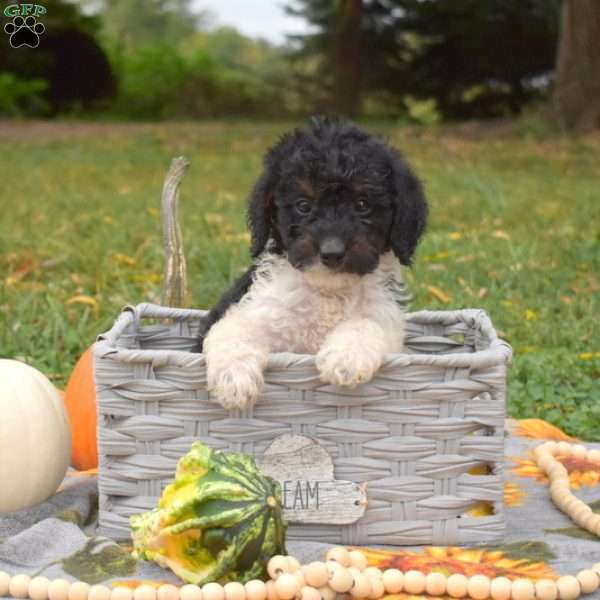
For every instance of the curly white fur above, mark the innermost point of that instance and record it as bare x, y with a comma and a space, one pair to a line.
349, 321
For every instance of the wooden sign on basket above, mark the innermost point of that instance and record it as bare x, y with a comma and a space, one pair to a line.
310, 492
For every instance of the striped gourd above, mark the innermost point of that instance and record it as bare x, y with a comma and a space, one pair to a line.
220, 520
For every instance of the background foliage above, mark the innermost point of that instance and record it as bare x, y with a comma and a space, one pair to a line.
155, 59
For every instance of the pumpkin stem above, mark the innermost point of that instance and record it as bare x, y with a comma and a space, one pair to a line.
174, 291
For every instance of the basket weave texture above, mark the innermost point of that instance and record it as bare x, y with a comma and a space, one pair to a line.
415, 433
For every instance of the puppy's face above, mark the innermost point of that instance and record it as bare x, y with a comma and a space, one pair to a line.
334, 220
336, 198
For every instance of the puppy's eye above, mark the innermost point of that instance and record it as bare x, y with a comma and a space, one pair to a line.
362, 206
304, 207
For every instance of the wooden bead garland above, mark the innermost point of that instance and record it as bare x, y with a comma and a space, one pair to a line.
346, 572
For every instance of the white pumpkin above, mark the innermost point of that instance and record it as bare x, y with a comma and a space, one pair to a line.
35, 438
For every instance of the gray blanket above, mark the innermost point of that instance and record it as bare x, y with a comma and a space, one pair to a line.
58, 538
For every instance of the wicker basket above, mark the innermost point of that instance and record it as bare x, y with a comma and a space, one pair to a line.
415, 433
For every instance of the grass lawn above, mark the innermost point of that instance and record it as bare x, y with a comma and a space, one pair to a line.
515, 229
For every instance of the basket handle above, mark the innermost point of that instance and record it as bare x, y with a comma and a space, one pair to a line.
134, 314
174, 287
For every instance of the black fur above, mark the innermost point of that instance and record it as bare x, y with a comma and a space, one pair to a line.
331, 185
232, 296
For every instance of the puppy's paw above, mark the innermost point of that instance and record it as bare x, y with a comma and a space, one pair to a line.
237, 385
347, 366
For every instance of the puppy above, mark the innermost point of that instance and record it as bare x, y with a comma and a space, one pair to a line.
332, 217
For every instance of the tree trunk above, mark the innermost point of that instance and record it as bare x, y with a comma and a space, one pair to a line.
347, 58
576, 97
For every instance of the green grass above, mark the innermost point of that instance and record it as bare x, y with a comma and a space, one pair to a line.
515, 229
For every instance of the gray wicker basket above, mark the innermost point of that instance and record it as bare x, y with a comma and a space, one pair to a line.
413, 434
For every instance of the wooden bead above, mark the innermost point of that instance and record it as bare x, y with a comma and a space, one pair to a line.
393, 581
121, 592
545, 589
500, 588
256, 589
58, 589
557, 470
277, 565
19, 586
4, 583
373, 572
186, 592
358, 560
594, 456
435, 584
568, 587
167, 592
545, 462
414, 582
234, 591
309, 593
457, 585
550, 446
287, 586
79, 590
293, 564
316, 574
38, 588
361, 587
271, 591
590, 521
299, 576
340, 580
377, 589
479, 587
588, 580
579, 451
327, 593
340, 555
100, 592
523, 589
213, 591
563, 449
148, 592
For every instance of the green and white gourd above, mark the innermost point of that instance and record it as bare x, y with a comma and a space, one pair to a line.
221, 519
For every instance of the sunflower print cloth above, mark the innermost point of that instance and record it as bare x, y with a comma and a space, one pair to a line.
58, 538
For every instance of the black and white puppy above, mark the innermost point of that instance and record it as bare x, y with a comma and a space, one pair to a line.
333, 216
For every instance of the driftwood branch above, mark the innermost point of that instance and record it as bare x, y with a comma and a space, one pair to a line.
174, 291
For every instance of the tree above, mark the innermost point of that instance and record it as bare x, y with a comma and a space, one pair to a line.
71, 64
576, 97
347, 50
338, 42
135, 23
474, 57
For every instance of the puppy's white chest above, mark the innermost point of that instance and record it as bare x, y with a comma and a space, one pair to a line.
319, 317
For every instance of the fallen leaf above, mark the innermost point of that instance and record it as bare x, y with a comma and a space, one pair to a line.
124, 259
500, 234
439, 294
438, 256
455, 235
530, 315
82, 299
482, 292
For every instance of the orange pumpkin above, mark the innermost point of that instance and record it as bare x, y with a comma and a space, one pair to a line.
80, 402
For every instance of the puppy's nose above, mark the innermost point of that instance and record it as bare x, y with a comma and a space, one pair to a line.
332, 252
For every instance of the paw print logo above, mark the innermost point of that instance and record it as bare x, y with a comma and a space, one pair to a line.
24, 31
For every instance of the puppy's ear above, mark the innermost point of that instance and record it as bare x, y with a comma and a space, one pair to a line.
260, 212
410, 211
